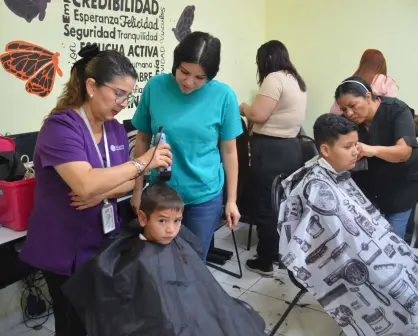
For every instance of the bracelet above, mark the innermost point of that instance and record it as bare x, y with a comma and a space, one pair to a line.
139, 166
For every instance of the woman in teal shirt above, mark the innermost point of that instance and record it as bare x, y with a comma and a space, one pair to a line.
196, 112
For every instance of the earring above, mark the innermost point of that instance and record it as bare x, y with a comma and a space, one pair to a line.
91, 96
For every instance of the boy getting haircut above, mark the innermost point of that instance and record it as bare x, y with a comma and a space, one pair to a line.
338, 245
160, 213
159, 196
329, 127
155, 283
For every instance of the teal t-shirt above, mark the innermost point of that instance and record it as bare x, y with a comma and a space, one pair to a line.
193, 123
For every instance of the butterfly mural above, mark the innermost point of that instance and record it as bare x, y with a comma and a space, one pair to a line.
28, 9
184, 24
34, 64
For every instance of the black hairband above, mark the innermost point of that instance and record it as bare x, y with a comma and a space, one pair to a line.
86, 53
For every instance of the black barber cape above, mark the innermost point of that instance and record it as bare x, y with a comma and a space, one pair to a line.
135, 287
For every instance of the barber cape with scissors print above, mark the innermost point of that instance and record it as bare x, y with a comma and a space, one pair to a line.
342, 250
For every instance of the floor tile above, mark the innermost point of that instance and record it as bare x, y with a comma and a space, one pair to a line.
245, 255
308, 322
269, 308
221, 232
233, 291
50, 323
300, 322
281, 287
248, 279
228, 245
22, 330
43, 332
241, 236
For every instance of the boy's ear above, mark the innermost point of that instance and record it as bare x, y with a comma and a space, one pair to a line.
324, 150
142, 218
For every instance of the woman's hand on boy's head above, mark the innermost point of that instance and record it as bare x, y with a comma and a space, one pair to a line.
81, 203
232, 214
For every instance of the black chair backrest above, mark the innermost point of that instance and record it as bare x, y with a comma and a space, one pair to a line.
25, 144
277, 193
243, 160
131, 131
243, 191
308, 146
127, 124
309, 151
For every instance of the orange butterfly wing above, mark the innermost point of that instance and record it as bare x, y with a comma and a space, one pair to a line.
33, 63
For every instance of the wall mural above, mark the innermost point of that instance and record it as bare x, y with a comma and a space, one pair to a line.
28, 9
134, 28
184, 24
34, 64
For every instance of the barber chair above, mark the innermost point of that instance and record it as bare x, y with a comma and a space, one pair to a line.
308, 146
309, 151
25, 144
276, 196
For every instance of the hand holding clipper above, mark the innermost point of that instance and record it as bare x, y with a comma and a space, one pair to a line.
164, 173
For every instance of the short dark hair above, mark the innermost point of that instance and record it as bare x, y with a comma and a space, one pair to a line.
159, 196
199, 48
273, 56
329, 127
355, 86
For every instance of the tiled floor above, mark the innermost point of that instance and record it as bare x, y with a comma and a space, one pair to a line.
269, 296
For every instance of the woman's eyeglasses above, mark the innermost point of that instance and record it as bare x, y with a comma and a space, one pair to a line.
120, 95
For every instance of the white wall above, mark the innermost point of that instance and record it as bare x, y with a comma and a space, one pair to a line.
239, 24
326, 39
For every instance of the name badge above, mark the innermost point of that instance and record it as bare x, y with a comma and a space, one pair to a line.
108, 218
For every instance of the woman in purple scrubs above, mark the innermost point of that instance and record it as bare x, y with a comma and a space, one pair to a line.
82, 166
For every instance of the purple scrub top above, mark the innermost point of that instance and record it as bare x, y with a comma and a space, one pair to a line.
59, 236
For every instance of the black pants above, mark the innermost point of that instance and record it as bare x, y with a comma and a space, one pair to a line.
67, 322
270, 157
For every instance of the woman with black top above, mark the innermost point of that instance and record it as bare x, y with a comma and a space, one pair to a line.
387, 140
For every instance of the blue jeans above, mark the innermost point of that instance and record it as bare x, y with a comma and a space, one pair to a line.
202, 219
399, 222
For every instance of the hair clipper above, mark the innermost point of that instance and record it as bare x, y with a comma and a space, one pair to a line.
164, 173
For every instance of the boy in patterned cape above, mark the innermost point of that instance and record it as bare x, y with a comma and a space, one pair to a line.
338, 245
